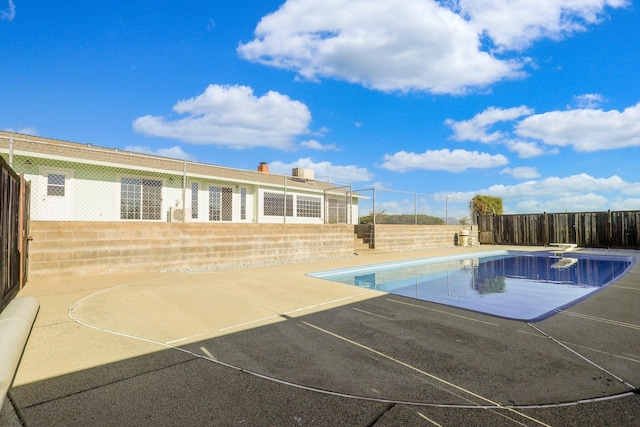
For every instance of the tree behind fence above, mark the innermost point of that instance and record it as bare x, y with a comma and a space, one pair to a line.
383, 206
610, 229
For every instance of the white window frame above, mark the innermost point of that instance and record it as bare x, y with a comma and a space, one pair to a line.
55, 207
336, 210
243, 203
225, 196
292, 211
56, 186
195, 196
141, 178
306, 206
283, 198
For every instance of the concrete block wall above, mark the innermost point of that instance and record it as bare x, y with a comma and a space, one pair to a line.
395, 238
66, 248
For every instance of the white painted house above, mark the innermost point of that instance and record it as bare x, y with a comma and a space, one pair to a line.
82, 182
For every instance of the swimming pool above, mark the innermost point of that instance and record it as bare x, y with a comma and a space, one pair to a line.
517, 285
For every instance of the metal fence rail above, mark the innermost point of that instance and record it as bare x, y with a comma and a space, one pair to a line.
403, 207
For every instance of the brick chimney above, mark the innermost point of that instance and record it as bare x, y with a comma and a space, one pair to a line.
263, 167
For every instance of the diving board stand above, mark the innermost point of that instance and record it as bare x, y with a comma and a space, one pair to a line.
560, 248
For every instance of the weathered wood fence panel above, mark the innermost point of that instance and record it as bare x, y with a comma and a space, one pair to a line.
14, 229
608, 229
485, 229
624, 229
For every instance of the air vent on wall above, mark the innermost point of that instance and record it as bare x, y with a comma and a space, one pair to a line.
178, 214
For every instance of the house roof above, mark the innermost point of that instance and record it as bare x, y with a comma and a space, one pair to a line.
34, 146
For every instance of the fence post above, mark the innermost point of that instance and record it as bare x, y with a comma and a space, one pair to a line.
415, 207
610, 229
23, 229
349, 207
473, 217
184, 191
284, 205
546, 229
374, 206
446, 210
11, 150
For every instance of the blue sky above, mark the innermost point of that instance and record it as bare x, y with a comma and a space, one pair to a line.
537, 102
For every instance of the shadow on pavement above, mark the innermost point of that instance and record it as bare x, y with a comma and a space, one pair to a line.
388, 351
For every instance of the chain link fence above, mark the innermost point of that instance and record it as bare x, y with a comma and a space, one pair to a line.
81, 182
62, 192
401, 207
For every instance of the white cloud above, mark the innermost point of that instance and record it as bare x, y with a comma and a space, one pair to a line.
527, 149
576, 203
561, 187
385, 45
395, 208
589, 100
447, 160
312, 144
380, 185
580, 192
523, 172
10, 13
625, 204
24, 131
233, 117
632, 190
515, 24
325, 171
480, 129
174, 152
423, 45
476, 128
585, 129
320, 132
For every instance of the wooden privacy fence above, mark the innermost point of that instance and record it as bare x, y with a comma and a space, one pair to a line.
14, 220
610, 229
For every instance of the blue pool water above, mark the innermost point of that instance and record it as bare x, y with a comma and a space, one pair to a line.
516, 285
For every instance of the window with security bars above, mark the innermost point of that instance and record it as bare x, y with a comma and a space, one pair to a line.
308, 207
220, 203
140, 199
336, 211
55, 184
243, 204
274, 204
194, 200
